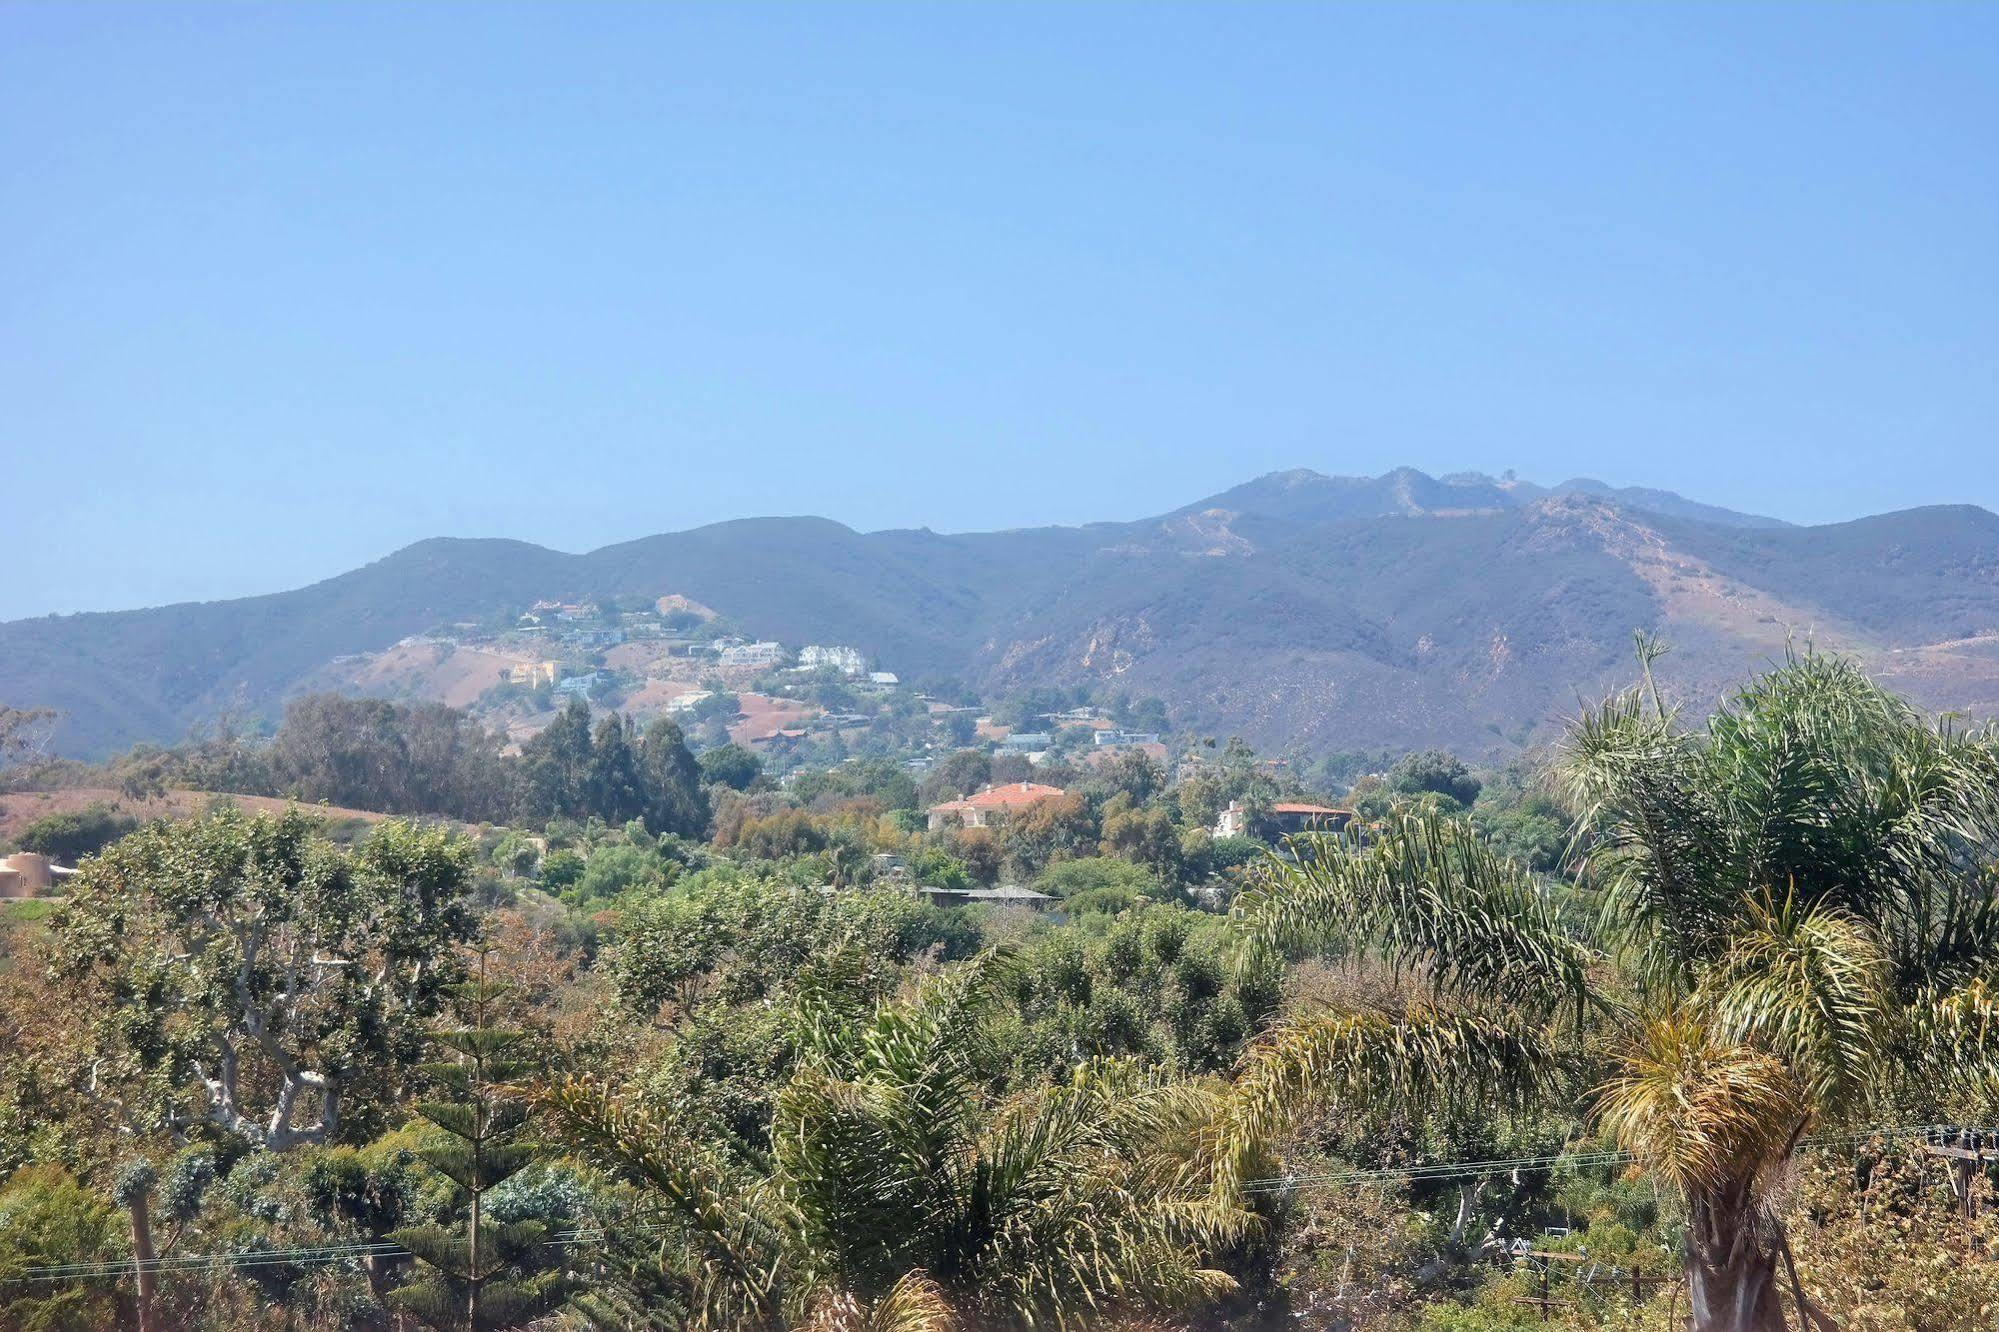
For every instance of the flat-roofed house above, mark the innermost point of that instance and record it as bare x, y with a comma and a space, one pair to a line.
1007, 894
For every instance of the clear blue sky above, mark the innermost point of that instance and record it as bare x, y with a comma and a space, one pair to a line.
284, 287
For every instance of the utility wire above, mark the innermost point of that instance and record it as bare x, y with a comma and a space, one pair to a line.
249, 1259
1507, 1165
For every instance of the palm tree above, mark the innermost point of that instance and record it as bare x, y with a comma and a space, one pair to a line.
1490, 986
1799, 895
899, 1191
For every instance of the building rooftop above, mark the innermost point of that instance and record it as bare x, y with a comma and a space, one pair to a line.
1005, 893
1011, 795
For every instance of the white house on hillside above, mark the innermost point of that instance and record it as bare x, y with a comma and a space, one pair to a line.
837, 657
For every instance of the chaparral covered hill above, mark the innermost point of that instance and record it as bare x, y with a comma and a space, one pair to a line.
1326, 612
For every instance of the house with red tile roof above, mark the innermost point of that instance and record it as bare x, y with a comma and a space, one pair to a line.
981, 809
1286, 817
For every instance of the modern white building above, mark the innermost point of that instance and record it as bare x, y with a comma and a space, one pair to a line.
753, 654
838, 657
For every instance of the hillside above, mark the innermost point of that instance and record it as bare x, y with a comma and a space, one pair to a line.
19, 809
1328, 612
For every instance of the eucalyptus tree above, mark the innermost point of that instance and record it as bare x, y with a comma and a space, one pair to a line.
1798, 898
900, 1190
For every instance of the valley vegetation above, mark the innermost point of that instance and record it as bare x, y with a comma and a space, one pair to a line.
608, 1034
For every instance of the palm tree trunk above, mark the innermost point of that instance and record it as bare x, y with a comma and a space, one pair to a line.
1731, 1266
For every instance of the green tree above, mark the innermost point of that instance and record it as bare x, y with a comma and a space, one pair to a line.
1801, 888
959, 774
485, 1276
555, 766
893, 1170
517, 854
1136, 774
399, 758
675, 801
615, 789
1144, 836
731, 765
1437, 771
247, 973
69, 837
613, 871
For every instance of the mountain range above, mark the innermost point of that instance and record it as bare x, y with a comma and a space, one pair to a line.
1298, 610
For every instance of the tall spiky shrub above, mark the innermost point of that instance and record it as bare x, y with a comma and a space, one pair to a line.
483, 1276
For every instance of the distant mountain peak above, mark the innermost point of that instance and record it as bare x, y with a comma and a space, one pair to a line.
1300, 494
1401, 609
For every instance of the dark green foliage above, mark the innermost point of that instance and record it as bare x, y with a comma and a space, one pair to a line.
674, 799
1437, 771
730, 937
614, 789
613, 775
957, 775
1523, 823
68, 837
369, 753
1073, 880
1159, 982
555, 766
731, 765
903, 1183
560, 869
614, 870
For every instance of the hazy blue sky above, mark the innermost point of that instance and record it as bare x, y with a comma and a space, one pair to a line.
284, 287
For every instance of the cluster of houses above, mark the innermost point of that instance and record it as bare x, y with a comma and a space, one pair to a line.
765, 654
993, 804
986, 807
1107, 742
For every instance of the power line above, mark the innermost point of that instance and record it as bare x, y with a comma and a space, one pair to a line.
250, 1259
1508, 1165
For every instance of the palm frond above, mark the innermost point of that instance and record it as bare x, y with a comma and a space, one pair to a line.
1433, 896
1658, 843
913, 1304
1378, 1061
739, 1227
1948, 1041
1807, 985
1841, 793
1697, 1110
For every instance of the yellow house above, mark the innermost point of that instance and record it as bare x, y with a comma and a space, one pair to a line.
531, 673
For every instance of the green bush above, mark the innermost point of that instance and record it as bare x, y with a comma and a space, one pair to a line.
69, 837
47, 1217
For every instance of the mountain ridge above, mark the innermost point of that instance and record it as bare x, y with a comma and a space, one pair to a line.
1299, 609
